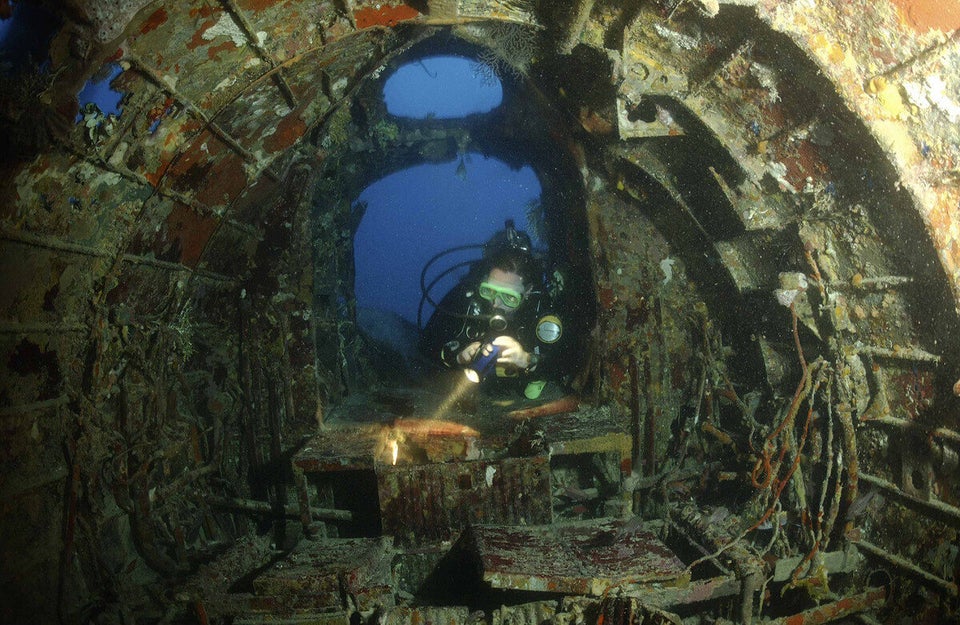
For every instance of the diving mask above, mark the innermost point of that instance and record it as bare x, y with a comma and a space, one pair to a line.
509, 297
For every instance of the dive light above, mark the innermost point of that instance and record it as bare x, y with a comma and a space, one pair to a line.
483, 362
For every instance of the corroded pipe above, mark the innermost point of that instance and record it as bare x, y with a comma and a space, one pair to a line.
870, 599
290, 511
946, 586
932, 507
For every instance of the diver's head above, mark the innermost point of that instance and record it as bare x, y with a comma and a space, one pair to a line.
510, 278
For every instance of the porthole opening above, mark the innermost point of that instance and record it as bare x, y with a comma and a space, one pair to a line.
441, 87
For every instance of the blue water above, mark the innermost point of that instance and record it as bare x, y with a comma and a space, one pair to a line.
418, 212
443, 87
415, 213
100, 93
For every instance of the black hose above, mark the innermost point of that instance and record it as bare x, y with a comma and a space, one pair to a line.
425, 296
425, 289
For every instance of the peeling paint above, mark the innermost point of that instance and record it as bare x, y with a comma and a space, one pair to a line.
933, 93
229, 81
156, 18
288, 131
383, 15
227, 27
925, 15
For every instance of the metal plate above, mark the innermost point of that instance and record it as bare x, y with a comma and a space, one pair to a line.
578, 558
431, 502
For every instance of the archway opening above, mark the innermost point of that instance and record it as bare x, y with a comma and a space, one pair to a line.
412, 216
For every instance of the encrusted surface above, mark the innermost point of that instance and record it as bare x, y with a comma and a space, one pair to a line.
578, 558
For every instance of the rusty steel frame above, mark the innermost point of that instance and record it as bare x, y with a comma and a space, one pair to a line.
868, 600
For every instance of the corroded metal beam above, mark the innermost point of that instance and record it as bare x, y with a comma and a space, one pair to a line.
278, 78
869, 600
910, 353
138, 65
290, 511
50, 243
931, 507
948, 587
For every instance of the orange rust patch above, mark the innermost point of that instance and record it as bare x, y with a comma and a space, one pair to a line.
924, 15
226, 179
257, 5
204, 11
197, 39
153, 22
190, 233
617, 373
288, 131
214, 52
386, 15
153, 177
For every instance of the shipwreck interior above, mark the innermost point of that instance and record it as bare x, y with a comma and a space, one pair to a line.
756, 206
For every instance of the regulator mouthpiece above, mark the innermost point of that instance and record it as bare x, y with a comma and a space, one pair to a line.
483, 362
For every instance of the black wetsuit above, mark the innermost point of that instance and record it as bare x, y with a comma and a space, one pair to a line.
445, 335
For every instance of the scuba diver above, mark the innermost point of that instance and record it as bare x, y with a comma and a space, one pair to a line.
499, 324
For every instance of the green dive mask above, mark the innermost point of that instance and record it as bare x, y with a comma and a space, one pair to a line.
509, 297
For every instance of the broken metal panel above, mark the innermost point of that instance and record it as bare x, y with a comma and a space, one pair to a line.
261, 121
35, 372
229, 251
744, 258
202, 54
172, 232
155, 126
329, 574
288, 28
628, 128
645, 75
255, 203
429, 502
68, 198
209, 171
577, 558
45, 285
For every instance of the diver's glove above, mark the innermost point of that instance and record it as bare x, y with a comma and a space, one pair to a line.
513, 353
